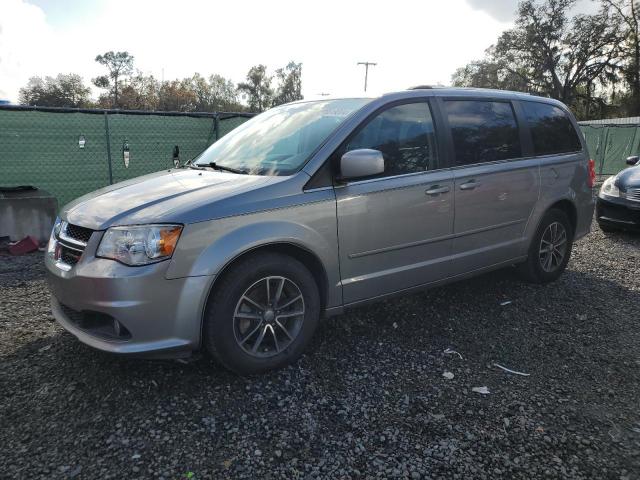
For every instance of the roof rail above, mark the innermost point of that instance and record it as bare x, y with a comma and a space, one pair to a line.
421, 87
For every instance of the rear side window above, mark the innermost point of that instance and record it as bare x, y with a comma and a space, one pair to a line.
483, 131
551, 130
405, 136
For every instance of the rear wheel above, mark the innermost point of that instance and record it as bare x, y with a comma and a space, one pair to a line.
550, 249
262, 314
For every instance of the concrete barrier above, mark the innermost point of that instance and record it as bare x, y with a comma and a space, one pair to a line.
26, 211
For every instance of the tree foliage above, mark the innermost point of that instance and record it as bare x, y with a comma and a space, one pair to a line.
627, 14
191, 94
119, 65
65, 90
289, 84
140, 92
573, 59
257, 88
129, 90
215, 94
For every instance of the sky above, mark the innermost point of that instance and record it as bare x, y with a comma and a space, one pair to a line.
412, 42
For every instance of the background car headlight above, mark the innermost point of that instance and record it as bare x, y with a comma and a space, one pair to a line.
140, 244
609, 188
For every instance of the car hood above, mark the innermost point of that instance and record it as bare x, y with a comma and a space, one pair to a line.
628, 178
169, 196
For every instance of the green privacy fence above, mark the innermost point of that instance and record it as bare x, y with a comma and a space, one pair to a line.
70, 152
610, 142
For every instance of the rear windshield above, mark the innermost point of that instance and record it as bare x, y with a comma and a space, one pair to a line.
280, 140
551, 129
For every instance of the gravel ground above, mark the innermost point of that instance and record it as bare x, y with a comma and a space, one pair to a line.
368, 400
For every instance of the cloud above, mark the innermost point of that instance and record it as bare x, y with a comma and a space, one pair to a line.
26, 44
179, 38
501, 10
505, 10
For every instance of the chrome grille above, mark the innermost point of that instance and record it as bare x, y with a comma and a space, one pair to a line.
72, 240
69, 256
633, 194
77, 233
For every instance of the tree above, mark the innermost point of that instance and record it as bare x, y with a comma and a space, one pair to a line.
216, 94
628, 12
140, 93
177, 96
257, 88
488, 73
224, 95
548, 53
289, 84
65, 90
119, 65
194, 94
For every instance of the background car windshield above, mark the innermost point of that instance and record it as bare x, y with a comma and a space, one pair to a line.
280, 140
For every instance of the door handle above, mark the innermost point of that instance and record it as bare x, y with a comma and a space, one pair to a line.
470, 185
437, 190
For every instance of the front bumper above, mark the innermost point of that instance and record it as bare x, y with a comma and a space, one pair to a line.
155, 316
618, 213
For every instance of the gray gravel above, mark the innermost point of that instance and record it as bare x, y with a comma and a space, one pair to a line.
368, 400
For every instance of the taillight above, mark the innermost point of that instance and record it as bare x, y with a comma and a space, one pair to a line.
592, 173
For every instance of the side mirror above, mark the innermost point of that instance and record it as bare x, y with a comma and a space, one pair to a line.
359, 163
633, 160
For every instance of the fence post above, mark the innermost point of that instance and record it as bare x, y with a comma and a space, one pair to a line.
108, 135
604, 149
216, 122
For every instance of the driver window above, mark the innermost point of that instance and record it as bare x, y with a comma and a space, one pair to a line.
405, 136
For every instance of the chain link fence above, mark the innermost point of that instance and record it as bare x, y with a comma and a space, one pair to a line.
69, 152
611, 141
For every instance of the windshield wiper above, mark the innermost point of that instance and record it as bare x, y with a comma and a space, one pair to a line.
215, 166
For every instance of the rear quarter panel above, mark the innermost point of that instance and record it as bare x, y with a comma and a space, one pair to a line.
565, 177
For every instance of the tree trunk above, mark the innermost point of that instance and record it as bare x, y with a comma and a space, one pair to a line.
636, 62
636, 74
115, 93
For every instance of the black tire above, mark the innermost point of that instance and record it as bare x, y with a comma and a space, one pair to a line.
607, 228
221, 335
532, 270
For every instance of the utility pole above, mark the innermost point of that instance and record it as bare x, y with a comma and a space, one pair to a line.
366, 71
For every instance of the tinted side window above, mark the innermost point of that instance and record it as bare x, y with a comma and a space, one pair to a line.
405, 136
551, 129
483, 131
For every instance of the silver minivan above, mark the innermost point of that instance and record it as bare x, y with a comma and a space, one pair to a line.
314, 207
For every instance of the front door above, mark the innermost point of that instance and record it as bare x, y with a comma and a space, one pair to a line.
395, 230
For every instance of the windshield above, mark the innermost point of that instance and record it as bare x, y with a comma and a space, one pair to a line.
280, 140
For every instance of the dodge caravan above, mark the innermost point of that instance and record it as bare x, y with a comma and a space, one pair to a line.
314, 207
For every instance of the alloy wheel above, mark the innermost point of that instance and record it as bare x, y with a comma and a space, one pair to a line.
269, 316
553, 247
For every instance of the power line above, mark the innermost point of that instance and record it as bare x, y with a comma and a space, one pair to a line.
366, 71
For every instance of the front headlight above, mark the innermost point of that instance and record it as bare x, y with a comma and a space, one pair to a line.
140, 244
609, 188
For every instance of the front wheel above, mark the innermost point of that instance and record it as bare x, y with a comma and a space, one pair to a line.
550, 249
262, 314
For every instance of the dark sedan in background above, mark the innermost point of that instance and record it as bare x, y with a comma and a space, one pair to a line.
618, 204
